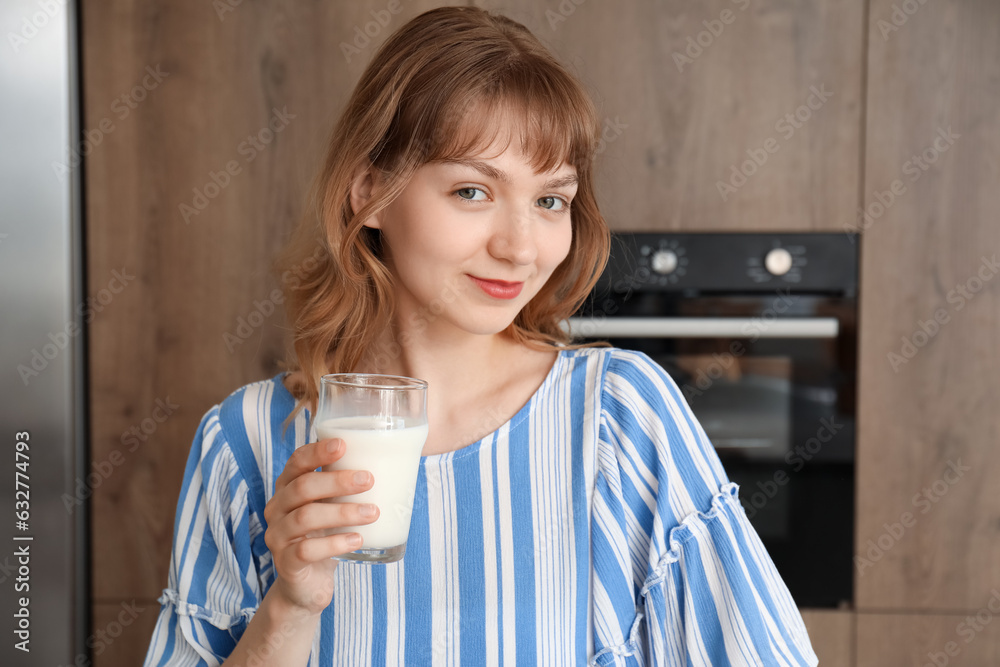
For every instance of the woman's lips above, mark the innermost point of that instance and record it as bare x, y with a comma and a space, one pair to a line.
499, 289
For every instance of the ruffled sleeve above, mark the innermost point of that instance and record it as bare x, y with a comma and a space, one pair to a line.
680, 575
213, 584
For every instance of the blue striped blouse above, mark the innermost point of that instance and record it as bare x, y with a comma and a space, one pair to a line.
596, 527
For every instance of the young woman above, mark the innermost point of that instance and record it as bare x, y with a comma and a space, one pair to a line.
569, 508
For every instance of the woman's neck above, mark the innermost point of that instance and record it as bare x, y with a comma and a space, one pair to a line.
451, 360
475, 382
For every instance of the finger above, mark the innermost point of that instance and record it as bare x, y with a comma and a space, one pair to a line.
314, 518
308, 457
312, 486
316, 549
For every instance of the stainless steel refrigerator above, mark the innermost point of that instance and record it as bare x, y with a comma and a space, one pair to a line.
43, 447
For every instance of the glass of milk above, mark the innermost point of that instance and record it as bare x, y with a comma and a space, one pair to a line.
382, 420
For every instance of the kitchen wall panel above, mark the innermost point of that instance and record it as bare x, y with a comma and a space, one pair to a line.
691, 91
929, 504
832, 636
206, 122
926, 640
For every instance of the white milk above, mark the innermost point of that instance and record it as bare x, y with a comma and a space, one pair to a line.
392, 456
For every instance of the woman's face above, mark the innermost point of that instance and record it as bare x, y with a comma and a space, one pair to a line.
470, 242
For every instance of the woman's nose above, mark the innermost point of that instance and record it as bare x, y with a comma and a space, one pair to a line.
514, 240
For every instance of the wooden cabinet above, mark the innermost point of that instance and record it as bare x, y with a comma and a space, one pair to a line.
832, 636
934, 640
736, 115
930, 310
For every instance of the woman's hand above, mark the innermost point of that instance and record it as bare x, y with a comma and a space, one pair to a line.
295, 519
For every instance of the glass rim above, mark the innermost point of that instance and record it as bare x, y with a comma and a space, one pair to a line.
357, 380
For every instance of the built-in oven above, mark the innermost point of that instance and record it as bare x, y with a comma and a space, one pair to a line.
759, 333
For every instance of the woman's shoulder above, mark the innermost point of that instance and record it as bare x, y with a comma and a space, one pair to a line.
617, 366
248, 429
257, 397
621, 385
253, 415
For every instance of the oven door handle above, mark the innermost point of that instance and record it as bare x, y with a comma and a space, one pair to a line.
702, 327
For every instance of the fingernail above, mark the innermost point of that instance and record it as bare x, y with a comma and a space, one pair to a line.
367, 510
354, 540
333, 446
361, 477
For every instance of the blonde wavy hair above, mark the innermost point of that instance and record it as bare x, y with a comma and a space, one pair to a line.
435, 90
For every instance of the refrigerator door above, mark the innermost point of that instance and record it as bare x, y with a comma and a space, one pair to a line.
43, 551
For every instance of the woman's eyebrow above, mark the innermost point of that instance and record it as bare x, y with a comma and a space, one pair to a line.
562, 181
485, 169
502, 176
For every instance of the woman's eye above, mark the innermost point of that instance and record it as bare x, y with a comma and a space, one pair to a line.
553, 203
469, 194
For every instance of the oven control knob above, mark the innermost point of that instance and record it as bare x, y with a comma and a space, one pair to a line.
664, 261
778, 261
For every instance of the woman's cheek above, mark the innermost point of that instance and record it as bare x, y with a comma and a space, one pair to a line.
561, 245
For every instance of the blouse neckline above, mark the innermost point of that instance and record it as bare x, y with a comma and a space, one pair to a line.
473, 447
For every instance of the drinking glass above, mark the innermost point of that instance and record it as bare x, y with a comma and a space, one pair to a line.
382, 420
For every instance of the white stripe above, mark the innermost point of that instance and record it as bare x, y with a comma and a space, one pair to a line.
444, 570
491, 602
252, 420
542, 539
592, 408
352, 598
395, 640
454, 587
506, 545
265, 433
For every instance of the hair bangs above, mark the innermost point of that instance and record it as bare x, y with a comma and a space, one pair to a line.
549, 127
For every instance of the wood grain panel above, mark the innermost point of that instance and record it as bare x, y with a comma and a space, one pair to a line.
121, 632
222, 79
927, 640
928, 534
676, 127
832, 636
